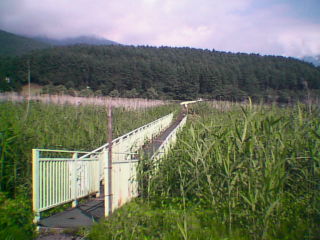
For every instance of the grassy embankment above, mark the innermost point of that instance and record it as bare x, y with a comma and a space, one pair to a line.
240, 173
55, 127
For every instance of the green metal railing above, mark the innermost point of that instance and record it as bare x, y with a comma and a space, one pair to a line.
124, 164
61, 176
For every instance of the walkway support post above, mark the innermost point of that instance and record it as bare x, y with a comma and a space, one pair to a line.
74, 180
110, 159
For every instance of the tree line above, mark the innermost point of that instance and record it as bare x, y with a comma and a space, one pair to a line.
162, 72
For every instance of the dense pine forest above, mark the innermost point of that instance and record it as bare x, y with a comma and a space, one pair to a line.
15, 45
164, 72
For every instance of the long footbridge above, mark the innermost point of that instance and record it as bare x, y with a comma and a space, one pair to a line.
88, 181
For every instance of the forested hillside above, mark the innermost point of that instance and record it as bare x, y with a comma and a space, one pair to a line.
315, 60
11, 44
89, 40
178, 73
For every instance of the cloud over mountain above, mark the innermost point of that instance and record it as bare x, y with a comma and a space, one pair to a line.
266, 26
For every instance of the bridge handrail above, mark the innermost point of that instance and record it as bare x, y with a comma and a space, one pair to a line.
58, 180
168, 140
124, 136
62, 151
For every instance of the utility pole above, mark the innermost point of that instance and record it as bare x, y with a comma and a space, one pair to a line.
29, 90
29, 80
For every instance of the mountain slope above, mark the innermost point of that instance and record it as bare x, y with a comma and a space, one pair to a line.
178, 73
89, 40
14, 45
315, 60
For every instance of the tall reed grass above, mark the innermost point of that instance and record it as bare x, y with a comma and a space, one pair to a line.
257, 168
53, 126
58, 127
244, 172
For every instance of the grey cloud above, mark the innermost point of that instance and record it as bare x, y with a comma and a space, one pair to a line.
232, 25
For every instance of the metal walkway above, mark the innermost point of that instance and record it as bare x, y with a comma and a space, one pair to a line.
85, 214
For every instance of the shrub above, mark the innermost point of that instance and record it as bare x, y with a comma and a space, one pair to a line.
16, 218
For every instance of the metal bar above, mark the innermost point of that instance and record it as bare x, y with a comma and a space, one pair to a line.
35, 184
110, 159
63, 179
64, 159
54, 205
59, 194
126, 153
60, 151
133, 131
106, 185
74, 180
47, 184
55, 182
114, 163
50, 177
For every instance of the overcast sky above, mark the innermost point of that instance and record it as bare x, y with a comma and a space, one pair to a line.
277, 27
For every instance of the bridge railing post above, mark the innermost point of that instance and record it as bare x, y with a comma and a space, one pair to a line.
100, 168
35, 184
74, 180
107, 196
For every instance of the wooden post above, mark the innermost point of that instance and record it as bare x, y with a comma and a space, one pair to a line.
110, 158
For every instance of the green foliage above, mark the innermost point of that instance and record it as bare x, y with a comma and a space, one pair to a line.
5, 85
256, 168
16, 218
57, 127
151, 93
177, 73
87, 92
12, 44
133, 93
51, 89
8, 169
54, 127
114, 93
141, 220
98, 93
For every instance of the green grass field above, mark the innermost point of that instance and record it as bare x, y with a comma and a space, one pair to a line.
240, 173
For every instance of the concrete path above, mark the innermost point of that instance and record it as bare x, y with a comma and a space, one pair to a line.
152, 147
83, 215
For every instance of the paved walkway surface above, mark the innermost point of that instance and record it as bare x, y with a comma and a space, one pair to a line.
86, 214
59, 236
83, 215
150, 149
